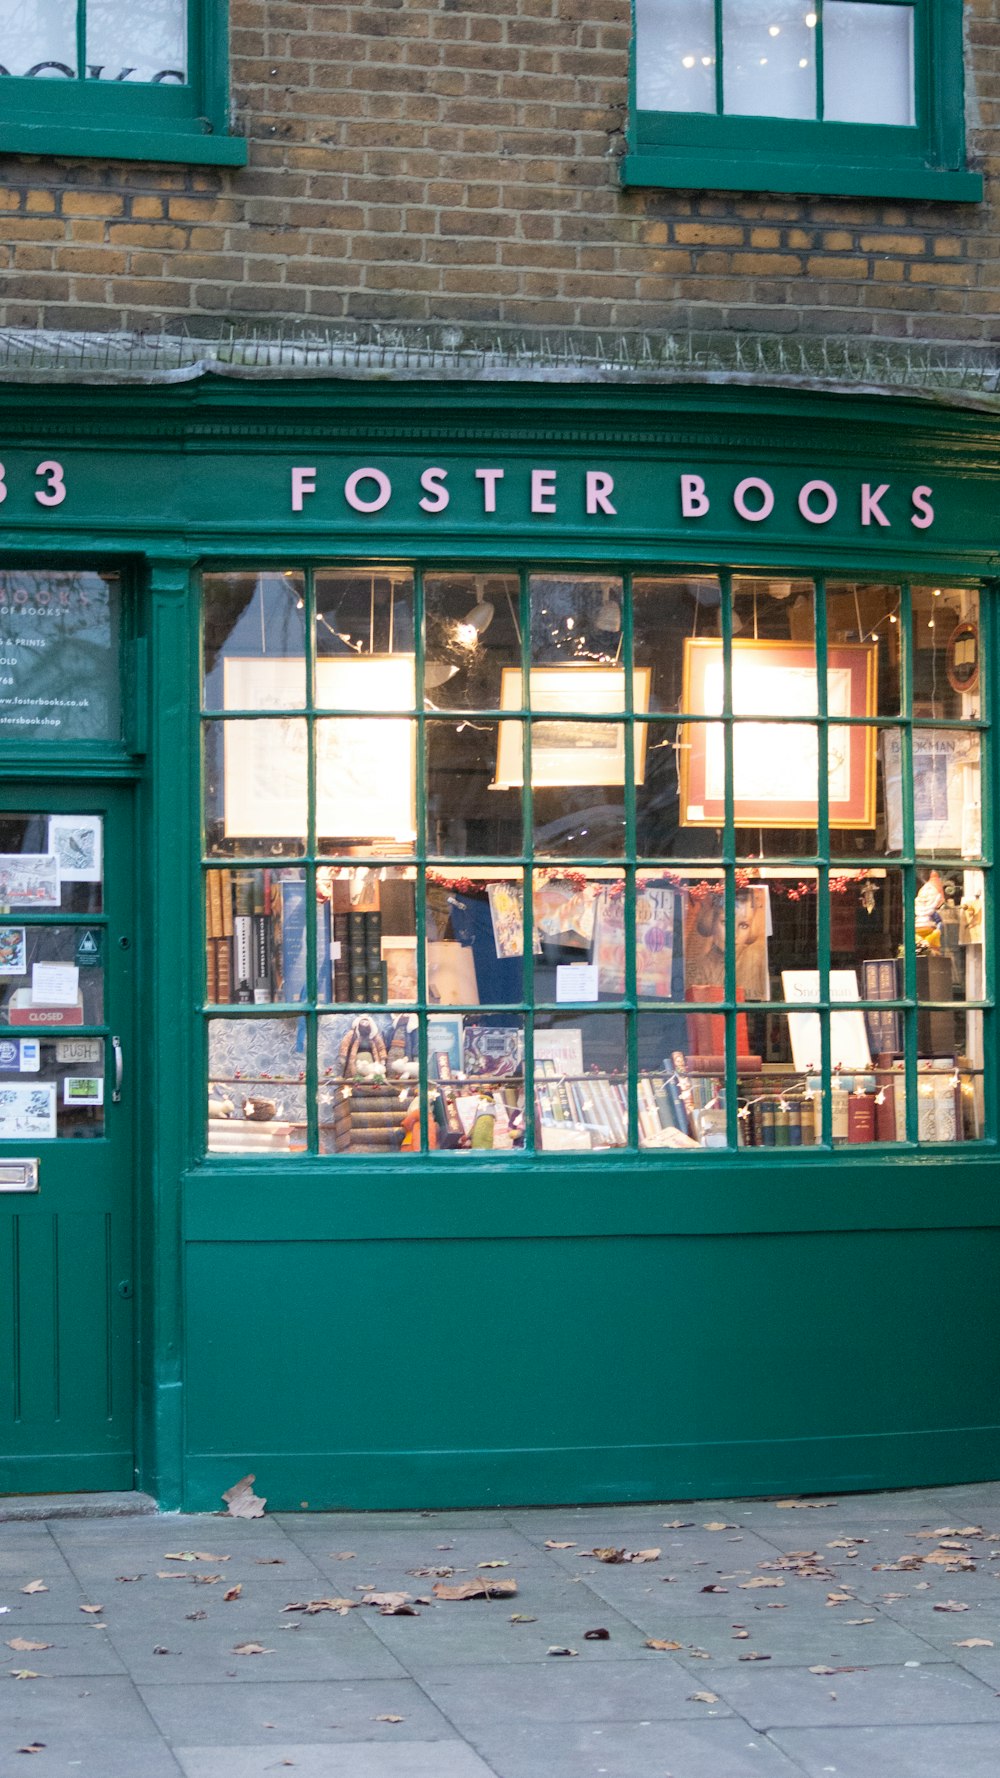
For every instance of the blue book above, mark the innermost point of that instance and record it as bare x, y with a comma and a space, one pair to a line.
295, 985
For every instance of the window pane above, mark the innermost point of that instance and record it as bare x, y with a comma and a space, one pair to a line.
47, 978
475, 937
862, 612
581, 1097
366, 782
478, 1106
52, 1086
256, 1095
579, 935
768, 65
364, 640
469, 813
867, 63
666, 613
366, 936
51, 864
946, 643
254, 641
675, 55
149, 40
59, 629
576, 623
659, 829
34, 34
255, 787
473, 634
367, 1104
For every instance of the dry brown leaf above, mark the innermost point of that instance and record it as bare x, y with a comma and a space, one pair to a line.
953, 1531
854, 1621
642, 1556
759, 1580
251, 1648
597, 1635
520, 1617
703, 1698
32, 1747
719, 1525
699, 1654
388, 1718
754, 1657
241, 1500
205, 1580
170, 1574
658, 1642
35, 1586
817, 1505
970, 1642
25, 1673
343, 1555
92, 1610
949, 1605
558, 1649
715, 1589
387, 1601
492, 1564
846, 1543
551, 1544
679, 1525
22, 1646
233, 1592
476, 1589
606, 1554
945, 1558
312, 1606
824, 1671
739, 1634
430, 1573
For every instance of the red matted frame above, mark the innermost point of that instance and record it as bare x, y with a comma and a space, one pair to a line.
852, 751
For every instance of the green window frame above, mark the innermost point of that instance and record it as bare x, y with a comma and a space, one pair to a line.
710, 151
937, 1070
131, 120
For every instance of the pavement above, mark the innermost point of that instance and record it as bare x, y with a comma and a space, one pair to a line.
857, 1637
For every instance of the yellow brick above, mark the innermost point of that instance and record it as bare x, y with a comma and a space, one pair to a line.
892, 244
147, 207
838, 241
888, 271
709, 234
655, 234
92, 203
41, 200
765, 237
767, 265
948, 246
799, 237
147, 234
9, 198
837, 268
939, 274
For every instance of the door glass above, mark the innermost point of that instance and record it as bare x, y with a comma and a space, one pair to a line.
50, 864
59, 646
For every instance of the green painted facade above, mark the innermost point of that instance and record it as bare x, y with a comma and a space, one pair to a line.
437, 1332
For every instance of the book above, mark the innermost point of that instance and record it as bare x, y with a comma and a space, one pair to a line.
838, 1112
885, 1109
357, 957
860, 1117
243, 945
880, 981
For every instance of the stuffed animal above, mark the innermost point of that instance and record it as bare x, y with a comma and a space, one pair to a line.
363, 1039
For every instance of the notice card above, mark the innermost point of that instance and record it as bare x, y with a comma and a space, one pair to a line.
576, 981
54, 984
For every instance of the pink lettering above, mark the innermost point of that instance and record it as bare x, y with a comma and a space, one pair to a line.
382, 483
433, 481
303, 482
543, 490
489, 479
694, 500
829, 502
753, 484
870, 508
600, 487
923, 515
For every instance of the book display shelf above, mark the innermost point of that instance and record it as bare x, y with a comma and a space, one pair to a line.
543, 861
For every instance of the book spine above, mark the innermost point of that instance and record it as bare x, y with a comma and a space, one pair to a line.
243, 952
838, 1113
224, 969
768, 1130
795, 1124
340, 957
356, 953
226, 892
211, 973
860, 1117
324, 978
807, 1122
782, 1127
885, 1112
375, 987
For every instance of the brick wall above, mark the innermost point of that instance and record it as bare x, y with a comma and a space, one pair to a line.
455, 160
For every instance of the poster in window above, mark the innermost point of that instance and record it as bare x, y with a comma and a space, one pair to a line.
571, 752
946, 791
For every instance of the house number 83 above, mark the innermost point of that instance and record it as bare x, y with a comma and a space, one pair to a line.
54, 491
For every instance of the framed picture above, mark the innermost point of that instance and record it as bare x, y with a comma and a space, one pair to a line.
946, 790
776, 766
365, 765
571, 752
29, 880
76, 842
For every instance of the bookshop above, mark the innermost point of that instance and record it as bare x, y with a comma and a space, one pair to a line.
496, 943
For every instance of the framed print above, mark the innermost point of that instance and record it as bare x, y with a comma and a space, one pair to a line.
29, 880
776, 765
946, 790
76, 842
568, 752
365, 766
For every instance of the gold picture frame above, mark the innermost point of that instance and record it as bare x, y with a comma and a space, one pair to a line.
565, 751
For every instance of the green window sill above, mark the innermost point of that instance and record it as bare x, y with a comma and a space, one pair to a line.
190, 146
687, 171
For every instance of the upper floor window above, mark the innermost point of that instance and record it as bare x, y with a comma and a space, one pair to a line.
147, 82
852, 96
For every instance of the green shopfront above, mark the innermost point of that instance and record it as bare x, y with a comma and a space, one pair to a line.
497, 942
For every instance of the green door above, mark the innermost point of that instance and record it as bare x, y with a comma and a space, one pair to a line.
66, 1138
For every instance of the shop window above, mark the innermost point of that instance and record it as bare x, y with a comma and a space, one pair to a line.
859, 97
143, 82
585, 861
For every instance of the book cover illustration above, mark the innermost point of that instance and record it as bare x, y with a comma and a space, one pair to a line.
507, 914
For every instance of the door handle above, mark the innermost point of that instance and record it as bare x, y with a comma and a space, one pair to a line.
116, 1045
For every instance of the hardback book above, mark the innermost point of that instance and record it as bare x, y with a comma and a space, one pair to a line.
860, 1117
243, 946
880, 981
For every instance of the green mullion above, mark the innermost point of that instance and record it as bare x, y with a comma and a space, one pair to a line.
631, 1020
818, 28
720, 100
309, 867
421, 867
729, 856
909, 869
823, 876
987, 794
528, 848
81, 39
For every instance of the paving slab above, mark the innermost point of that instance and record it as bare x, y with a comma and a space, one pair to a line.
634, 1750
971, 1750
87, 1756
445, 1637
358, 1759
47, 1709
77, 1651
941, 1692
795, 1639
563, 1690
204, 1653
328, 1712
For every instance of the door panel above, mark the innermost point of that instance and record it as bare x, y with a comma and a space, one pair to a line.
66, 1282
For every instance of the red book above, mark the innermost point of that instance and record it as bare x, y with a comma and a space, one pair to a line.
861, 1117
885, 1114
707, 1038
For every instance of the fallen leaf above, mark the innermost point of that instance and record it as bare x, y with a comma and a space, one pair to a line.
128, 1577
754, 1657
759, 1580
714, 1589
817, 1505
606, 1554
492, 1564
343, 1555
950, 1559
520, 1617
556, 1649
232, 1592
970, 1642
703, 1698
312, 1606
32, 1747
387, 1601
953, 1531
657, 1642
196, 1617
854, 1621
841, 1599
24, 1673
270, 1561
388, 1611
170, 1574
160, 1650
679, 1525
22, 1647
719, 1525
92, 1610
205, 1580
196, 1556
550, 1544
35, 1586
251, 1648
241, 1500
823, 1671
588, 1636
476, 1589
846, 1543
388, 1718
643, 1556
740, 1635
699, 1654
430, 1573
949, 1605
